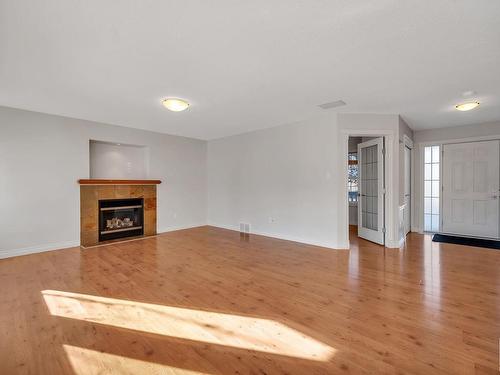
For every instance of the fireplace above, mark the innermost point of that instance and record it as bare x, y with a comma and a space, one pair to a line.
119, 218
131, 203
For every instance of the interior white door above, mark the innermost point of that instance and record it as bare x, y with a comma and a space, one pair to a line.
371, 190
407, 190
471, 189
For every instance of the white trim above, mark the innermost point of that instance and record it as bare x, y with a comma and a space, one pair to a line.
75, 243
38, 249
421, 168
395, 244
460, 140
408, 142
416, 229
391, 149
180, 227
283, 237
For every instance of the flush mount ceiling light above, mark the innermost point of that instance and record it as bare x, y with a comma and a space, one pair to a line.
175, 104
467, 106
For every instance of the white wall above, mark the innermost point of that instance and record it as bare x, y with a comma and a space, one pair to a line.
287, 181
437, 137
286, 174
457, 132
118, 161
42, 157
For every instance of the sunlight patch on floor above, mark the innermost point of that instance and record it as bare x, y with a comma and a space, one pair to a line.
209, 327
89, 362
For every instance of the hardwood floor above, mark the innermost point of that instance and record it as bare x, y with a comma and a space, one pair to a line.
208, 301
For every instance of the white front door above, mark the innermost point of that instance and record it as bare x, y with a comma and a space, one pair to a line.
371, 190
471, 189
407, 190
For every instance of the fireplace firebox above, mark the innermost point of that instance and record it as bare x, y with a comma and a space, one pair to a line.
119, 218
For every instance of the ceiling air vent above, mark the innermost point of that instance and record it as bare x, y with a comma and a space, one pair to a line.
338, 103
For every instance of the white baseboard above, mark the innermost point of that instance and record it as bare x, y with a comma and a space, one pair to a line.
75, 243
416, 229
180, 227
38, 249
395, 244
283, 237
343, 246
67, 244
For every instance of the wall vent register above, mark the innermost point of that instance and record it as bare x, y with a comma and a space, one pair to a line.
245, 228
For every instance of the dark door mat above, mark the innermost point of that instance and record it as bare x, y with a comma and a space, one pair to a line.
477, 242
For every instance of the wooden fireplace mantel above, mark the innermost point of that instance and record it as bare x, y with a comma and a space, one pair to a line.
98, 181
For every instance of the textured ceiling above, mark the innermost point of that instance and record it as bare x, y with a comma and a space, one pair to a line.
246, 65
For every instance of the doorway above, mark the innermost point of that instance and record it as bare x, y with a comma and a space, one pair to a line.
366, 187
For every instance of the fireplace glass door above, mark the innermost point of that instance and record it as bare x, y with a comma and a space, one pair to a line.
120, 218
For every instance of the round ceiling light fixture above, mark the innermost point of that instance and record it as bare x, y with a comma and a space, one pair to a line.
467, 106
175, 104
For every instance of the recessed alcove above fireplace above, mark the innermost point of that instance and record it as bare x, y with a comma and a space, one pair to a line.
116, 209
118, 160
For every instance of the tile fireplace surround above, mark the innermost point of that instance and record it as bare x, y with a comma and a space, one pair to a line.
93, 190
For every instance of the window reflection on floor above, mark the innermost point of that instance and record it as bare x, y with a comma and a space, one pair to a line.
86, 361
432, 278
205, 326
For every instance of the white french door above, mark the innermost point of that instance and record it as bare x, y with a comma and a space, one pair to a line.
407, 190
471, 189
371, 190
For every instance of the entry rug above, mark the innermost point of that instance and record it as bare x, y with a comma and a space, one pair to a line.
477, 242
